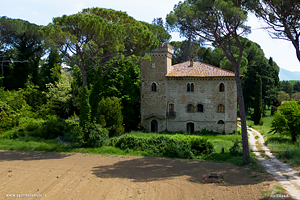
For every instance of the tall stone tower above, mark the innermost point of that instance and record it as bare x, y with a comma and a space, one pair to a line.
154, 88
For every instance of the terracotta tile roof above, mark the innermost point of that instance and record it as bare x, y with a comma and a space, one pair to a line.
199, 69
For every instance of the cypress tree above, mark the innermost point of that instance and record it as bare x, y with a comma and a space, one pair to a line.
257, 101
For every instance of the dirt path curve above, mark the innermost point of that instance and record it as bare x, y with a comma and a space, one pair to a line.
289, 178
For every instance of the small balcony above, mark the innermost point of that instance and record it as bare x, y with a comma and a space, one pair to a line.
171, 114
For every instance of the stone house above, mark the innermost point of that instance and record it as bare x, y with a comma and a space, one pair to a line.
189, 96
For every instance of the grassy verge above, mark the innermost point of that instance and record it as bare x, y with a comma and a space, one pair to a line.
221, 153
277, 143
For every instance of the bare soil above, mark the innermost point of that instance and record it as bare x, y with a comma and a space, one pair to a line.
84, 176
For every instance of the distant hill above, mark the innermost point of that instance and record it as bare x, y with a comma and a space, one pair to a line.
286, 75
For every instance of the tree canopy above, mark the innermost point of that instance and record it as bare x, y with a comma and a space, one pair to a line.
98, 37
286, 120
282, 18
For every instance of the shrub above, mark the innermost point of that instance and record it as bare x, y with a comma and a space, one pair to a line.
201, 146
171, 146
96, 135
12, 108
92, 135
236, 148
110, 116
53, 128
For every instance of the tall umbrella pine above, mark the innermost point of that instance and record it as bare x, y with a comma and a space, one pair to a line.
99, 38
220, 22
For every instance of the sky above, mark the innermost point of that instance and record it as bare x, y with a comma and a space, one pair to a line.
41, 12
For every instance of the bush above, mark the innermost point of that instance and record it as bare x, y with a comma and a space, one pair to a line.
12, 108
236, 148
201, 146
53, 128
92, 135
96, 135
179, 146
110, 116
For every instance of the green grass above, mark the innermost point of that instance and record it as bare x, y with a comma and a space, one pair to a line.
219, 141
278, 143
265, 128
27, 143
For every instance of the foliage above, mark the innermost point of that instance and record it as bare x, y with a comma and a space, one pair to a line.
283, 96
159, 31
236, 148
105, 36
23, 49
85, 108
286, 120
296, 96
184, 51
170, 146
122, 82
59, 97
33, 96
220, 22
296, 86
12, 108
257, 103
50, 71
96, 135
287, 87
282, 18
53, 128
110, 116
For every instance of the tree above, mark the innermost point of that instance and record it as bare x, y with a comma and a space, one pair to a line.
220, 22
184, 51
98, 37
286, 120
110, 116
283, 96
286, 87
50, 71
22, 50
296, 96
282, 18
296, 87
257, 101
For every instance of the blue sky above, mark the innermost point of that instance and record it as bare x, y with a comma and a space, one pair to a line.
41, 12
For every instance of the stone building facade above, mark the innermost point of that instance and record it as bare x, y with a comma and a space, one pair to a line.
189, 96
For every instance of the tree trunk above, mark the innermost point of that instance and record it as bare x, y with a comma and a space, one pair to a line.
84, 82
246, 155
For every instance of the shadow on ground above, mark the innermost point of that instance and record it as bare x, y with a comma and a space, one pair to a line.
11, 155
154, 169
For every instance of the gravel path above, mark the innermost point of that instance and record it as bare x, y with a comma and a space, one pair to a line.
289, 178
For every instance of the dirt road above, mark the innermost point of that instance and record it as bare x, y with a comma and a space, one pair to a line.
79, 176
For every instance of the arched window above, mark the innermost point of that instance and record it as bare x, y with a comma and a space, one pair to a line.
221, 122
199, 108
153, 87
190, 127
221, 87
192, 87
221, 108
154, 126
188, 87
190, 108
